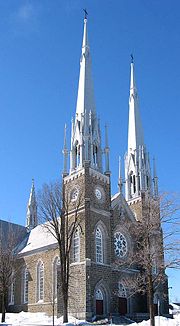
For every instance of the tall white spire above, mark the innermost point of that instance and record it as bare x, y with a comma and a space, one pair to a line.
137, 166
65, 153
135, 131
85, 137
85, 99
31, 215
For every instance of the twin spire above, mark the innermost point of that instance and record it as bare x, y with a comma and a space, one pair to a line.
86, 133
137, 164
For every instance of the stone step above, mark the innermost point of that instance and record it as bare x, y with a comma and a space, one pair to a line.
121, 320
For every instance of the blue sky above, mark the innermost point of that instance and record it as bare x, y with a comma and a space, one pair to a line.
40, 48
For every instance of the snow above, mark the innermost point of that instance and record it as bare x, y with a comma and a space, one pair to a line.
41, 319
38, 238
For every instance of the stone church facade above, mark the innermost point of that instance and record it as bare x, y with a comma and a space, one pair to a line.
97, 286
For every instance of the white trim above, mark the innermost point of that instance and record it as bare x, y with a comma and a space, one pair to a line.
76, 248
25, 285
39, 264
99, 245
54, 277
100, 211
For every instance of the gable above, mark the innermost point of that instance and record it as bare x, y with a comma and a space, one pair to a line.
120, 207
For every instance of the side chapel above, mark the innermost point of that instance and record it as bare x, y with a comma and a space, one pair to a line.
97, 286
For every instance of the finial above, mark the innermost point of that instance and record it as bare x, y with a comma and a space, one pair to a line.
32, 182
120, 182
155, 179
85, 13
65, 128
106, 135
65, 152
132, 58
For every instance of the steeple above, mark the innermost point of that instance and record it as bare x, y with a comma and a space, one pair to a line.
85, 137
65, 153
155, 179
106, 151
137, 166
31, 215
135, 131
120, 181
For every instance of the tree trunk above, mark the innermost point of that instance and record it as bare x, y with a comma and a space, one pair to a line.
53, 309
3, 308
65, 308
151, 300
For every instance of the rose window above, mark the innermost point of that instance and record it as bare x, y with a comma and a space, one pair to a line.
120, 244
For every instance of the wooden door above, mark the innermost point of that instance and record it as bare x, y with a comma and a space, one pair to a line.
99, 307
122, 306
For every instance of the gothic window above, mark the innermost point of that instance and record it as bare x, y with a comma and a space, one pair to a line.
11, 291
76, 246
138, 182
56, 265
134, 184
95, 150
99, 295
147, 180
121, 290
77, 154
120, 244
25, 285
99, 246
40, 281
131, 183
132, 179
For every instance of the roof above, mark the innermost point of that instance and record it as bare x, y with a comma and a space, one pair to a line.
38, 239
11, 231
118, 200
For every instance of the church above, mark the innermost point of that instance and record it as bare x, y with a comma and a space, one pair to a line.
98, 286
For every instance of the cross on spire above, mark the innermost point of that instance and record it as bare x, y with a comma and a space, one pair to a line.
85, 13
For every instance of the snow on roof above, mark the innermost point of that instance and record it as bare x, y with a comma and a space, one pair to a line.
114, 196
37, 239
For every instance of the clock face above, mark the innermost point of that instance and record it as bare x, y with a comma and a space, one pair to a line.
98, 193
120, 244
74, 194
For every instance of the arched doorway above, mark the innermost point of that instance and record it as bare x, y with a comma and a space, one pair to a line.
122, 299
99, 302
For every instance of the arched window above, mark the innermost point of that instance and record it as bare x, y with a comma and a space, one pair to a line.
25, 284
76, 246
134, 184
40, 281
99, 295
11, 290
77, 155
56, 265
121, 290
95, 151
99, 246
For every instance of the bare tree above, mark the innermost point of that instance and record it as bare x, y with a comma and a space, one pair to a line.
61, 218
151, 243
7, 260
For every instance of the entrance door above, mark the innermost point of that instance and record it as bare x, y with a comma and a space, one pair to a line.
122, 306
155, 309
99, 307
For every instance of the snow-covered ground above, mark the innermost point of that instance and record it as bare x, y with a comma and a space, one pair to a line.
41, 319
